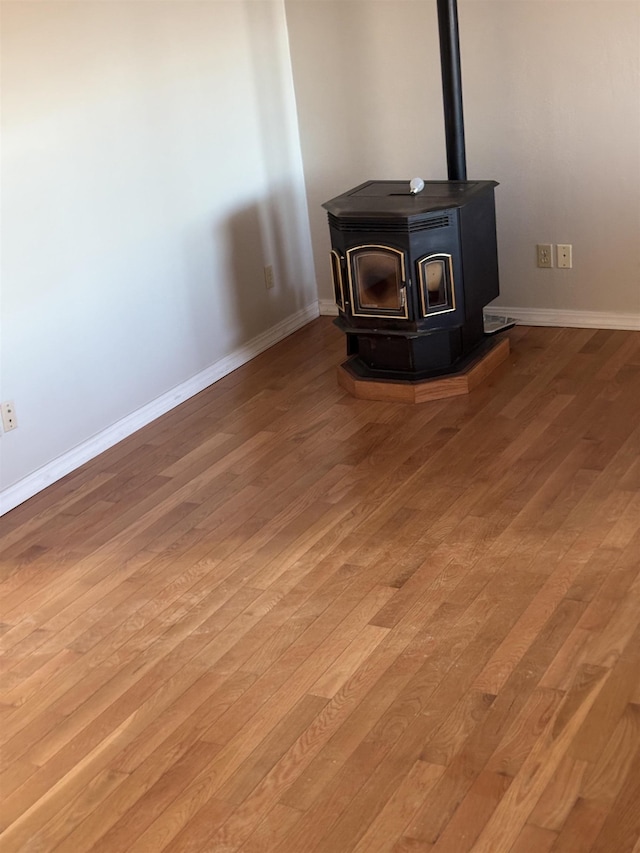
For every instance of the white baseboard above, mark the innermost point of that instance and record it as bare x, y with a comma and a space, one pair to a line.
77, 456
541, 317
328, 308
568, 319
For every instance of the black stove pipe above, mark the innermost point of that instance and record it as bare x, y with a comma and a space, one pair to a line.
452, 89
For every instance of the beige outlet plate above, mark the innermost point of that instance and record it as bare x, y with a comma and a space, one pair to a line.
545, 255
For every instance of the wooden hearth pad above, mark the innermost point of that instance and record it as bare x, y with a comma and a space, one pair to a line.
451, 385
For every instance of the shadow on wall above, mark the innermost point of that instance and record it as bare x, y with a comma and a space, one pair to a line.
249, 304
273, 230
267, 233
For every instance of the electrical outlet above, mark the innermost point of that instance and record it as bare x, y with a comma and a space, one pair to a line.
268, 277
9, 419
545, 255
565, 259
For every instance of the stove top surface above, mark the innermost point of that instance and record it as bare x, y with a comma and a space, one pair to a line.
394, 198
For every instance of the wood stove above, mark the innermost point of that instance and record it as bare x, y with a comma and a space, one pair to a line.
412, 274
414, 264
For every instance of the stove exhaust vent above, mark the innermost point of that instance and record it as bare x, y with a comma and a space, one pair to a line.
452, 89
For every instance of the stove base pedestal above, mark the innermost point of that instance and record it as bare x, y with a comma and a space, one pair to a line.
470, 374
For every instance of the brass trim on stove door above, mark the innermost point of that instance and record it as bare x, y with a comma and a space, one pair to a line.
338, 283
449, 285
403, 310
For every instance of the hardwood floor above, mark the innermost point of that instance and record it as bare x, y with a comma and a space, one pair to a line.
283, 619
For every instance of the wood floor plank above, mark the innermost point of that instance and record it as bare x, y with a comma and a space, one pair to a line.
604, 778
486, 737
533, 839
541, 764
377, 709
399, 809
146, 759
581, 827
621, 829
283, 620
560, 795
473, 813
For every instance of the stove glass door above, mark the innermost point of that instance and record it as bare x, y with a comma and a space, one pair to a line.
437, 295
377, 281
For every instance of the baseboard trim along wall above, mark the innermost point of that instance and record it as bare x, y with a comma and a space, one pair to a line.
328, 308
92, 447
542, 317
568, 319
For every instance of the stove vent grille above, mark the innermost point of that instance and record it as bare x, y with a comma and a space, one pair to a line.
387, 226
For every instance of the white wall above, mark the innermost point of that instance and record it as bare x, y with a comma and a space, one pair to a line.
151, 168
552, 111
